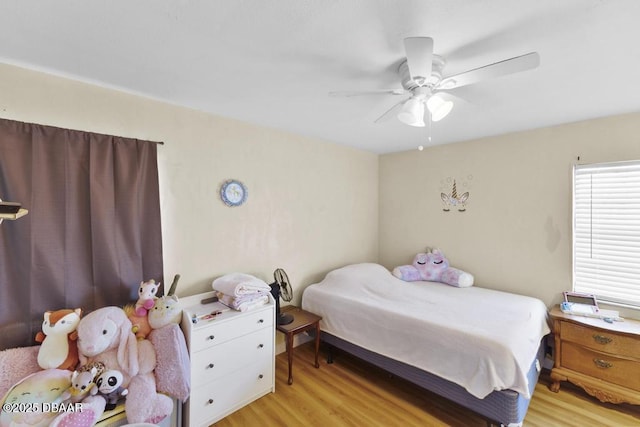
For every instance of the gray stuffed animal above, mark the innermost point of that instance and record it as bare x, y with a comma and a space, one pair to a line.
109, 385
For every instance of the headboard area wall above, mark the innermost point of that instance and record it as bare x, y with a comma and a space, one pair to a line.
515, 231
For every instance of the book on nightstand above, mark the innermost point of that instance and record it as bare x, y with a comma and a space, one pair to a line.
589, 311
207, 312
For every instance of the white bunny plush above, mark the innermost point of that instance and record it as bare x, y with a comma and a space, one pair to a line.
105, 335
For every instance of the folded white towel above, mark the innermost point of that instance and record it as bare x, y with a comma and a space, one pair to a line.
243, 303
228, 299
238, 284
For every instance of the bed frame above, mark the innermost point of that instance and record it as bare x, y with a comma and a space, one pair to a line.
505, 407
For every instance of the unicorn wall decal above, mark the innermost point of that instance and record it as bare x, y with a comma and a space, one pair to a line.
453, 200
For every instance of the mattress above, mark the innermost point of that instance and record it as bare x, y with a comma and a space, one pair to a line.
480, 339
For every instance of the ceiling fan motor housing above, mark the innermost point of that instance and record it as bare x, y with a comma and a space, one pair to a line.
409, 84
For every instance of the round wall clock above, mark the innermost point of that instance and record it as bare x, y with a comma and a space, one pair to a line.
233, 193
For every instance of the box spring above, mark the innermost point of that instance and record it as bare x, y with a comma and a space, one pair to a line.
505, 407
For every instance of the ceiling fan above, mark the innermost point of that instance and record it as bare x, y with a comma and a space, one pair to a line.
421, 77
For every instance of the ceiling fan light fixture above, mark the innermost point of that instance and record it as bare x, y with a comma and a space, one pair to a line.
438, 107
420, 122
412, 113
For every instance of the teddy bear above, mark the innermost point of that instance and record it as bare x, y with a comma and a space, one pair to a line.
146, 297
105, 335
165, 311
82, 382
139, 324
58, 339
434, 267
109, 385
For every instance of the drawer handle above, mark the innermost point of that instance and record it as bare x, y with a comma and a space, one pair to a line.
260, 345
601, 339
210, 365
602, 363
261, 321
210, 337
260, 376
210, 401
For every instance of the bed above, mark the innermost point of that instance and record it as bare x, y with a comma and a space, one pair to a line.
478, 347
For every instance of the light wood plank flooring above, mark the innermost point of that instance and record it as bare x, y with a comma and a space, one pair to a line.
350, 392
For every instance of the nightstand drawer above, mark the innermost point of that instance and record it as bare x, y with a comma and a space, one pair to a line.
606, 341
220, 360
206, 336
604, 366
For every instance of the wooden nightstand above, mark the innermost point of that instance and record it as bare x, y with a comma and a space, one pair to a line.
302, 321
602, 358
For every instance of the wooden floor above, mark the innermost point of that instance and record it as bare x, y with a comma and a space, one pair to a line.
350, 392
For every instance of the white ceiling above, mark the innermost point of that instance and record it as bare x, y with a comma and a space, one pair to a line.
273, 62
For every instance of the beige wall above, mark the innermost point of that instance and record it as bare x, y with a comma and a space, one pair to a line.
312, 206
516, 232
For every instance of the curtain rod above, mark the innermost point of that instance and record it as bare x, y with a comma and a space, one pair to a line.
78, 130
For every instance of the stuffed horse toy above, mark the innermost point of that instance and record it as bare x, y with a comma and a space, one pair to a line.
434, 267
146, 297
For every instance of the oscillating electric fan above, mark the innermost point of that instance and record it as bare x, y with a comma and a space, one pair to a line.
281, 287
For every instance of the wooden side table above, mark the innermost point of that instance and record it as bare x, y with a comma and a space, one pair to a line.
302, 321
602, 358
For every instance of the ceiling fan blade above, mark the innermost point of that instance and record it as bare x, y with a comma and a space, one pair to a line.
339, 94
508, 66
390, 112
419, 52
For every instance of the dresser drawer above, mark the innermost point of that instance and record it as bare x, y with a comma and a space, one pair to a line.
617, 370
606, 341
212, 401
208, 335
222, 359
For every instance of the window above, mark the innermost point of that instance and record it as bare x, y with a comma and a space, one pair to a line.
606, 231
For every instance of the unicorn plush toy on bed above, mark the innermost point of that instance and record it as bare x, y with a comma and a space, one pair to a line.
434, 267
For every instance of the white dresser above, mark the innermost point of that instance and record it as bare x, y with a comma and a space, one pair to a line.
232, 359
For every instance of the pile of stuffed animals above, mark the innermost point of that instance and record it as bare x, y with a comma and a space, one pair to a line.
109, 357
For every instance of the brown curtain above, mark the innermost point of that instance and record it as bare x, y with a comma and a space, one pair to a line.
93, 229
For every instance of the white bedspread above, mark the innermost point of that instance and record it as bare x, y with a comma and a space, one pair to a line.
481, 339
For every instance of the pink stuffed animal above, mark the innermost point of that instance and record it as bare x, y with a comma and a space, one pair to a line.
146, 297
105, 335
139, 324
434, 267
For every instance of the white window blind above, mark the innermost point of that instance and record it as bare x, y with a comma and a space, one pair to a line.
606, 231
